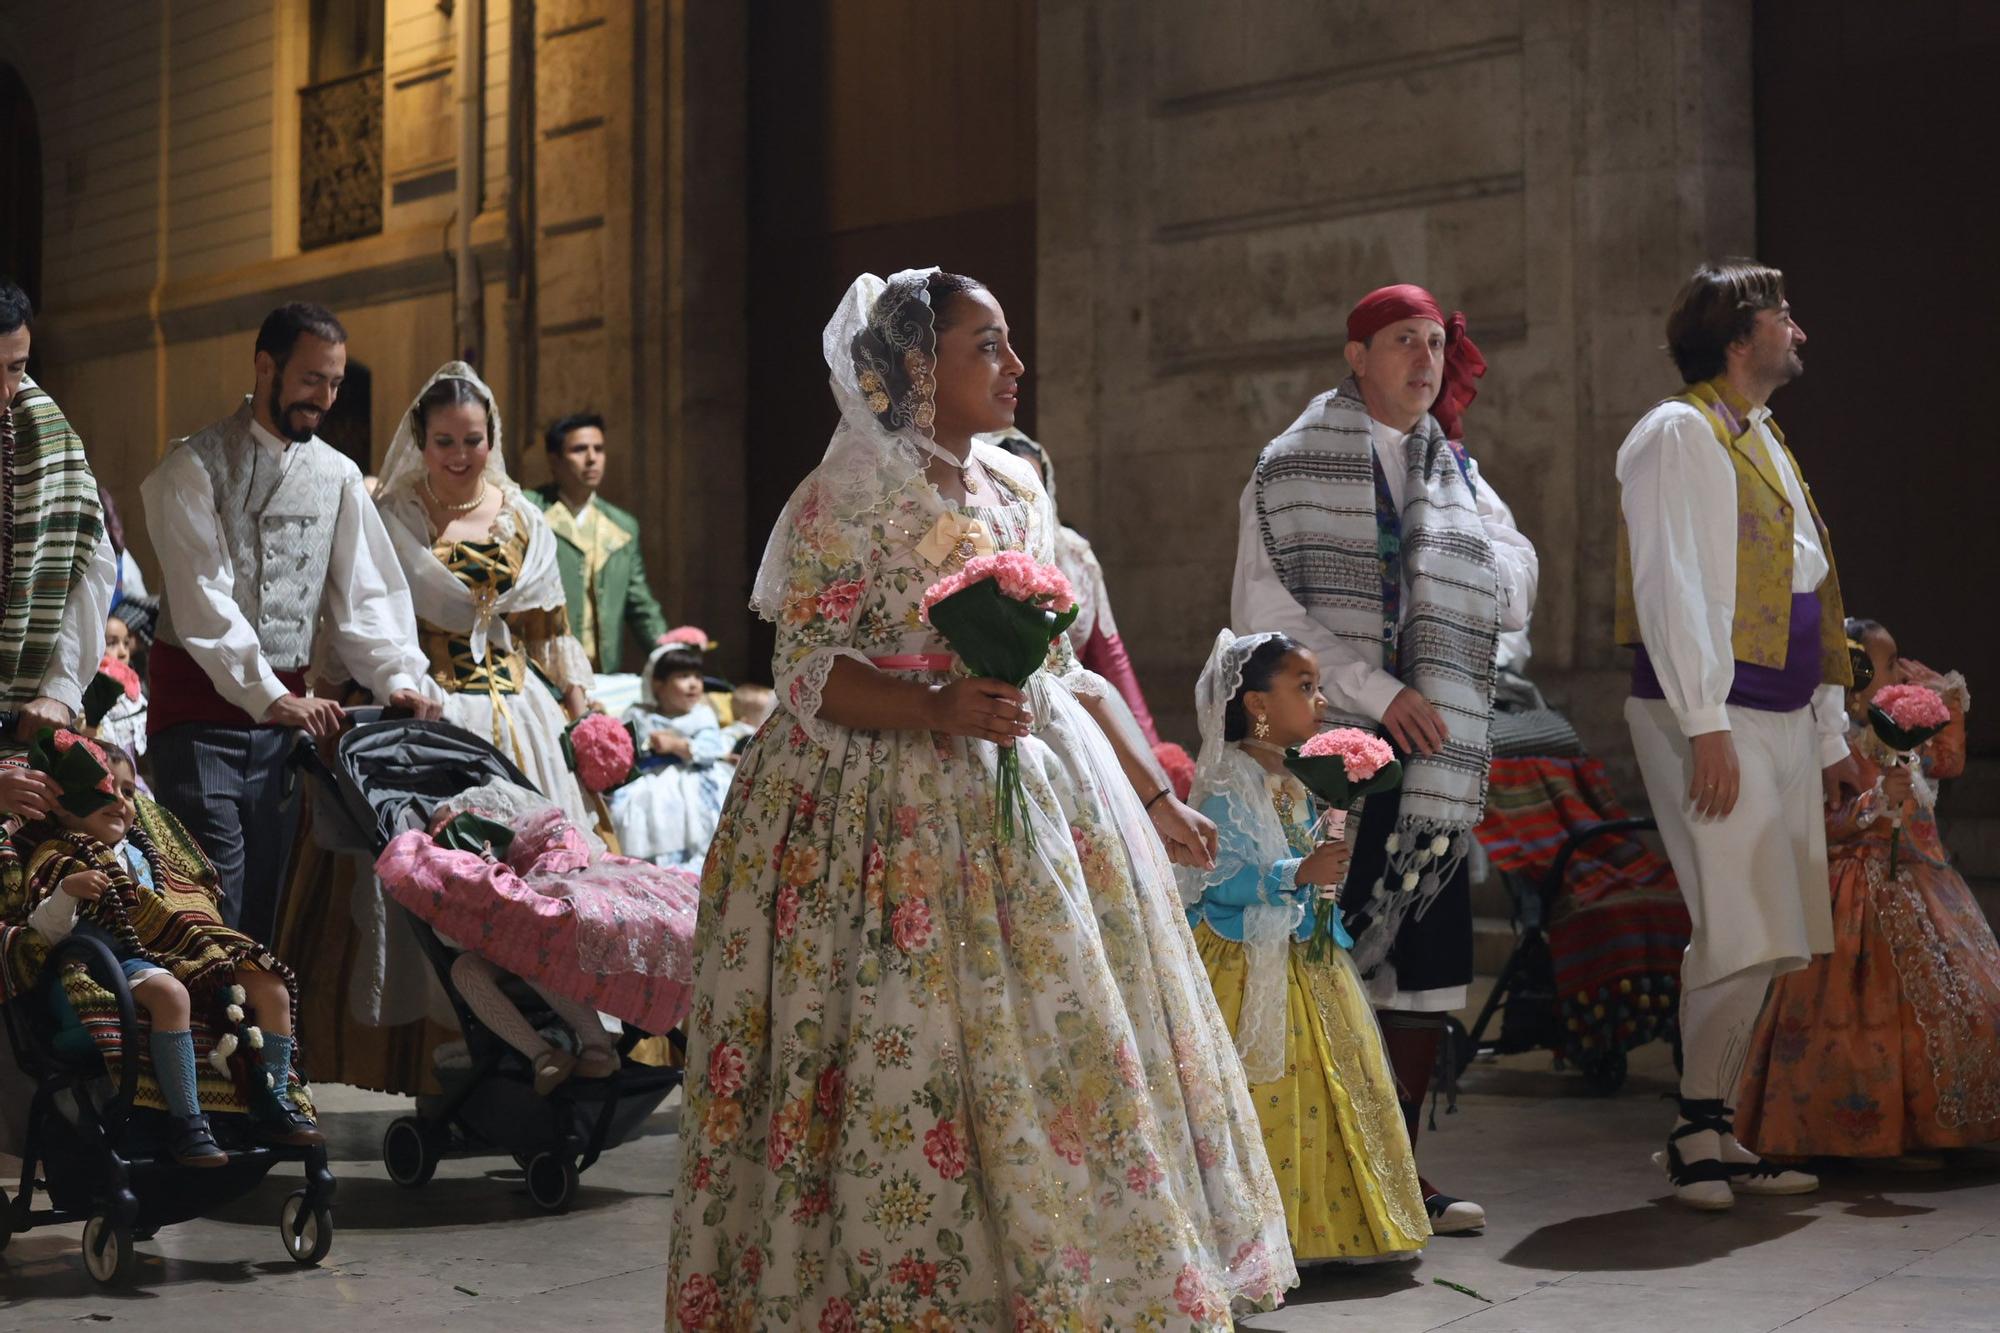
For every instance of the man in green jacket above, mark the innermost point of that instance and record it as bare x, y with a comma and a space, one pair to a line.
597, 547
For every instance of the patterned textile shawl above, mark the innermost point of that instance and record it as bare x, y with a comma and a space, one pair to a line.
52, 524
175, 928
1316, 505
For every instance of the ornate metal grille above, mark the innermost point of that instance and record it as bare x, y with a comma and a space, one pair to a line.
340, 159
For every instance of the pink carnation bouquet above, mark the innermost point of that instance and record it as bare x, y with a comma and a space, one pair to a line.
1340, 767
1905, 717
600, 753
114, 680
1000, 613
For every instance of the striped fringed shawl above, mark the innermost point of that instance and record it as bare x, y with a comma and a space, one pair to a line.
1317, 508
175, 928
52, 522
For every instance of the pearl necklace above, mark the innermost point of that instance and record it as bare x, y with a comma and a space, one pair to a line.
471, 504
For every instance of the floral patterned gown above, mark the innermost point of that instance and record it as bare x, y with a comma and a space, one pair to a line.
1891, 1043
1332, 1124
937, 1081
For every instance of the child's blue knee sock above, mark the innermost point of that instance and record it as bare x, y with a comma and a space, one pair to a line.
173, 1066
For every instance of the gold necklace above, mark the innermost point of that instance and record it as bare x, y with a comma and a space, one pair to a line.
1251, 742
473, 503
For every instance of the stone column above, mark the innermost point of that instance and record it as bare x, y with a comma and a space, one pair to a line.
1220, 183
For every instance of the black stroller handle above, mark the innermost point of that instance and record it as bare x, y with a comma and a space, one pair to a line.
103, 967
1576, 841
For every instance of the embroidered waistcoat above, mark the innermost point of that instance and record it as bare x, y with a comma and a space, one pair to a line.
1763, 547
277, 519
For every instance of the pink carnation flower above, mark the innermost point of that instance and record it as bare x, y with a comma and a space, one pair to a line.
127, 678
691, 635
1363, 755
603, 752
1021, 577
1912, 706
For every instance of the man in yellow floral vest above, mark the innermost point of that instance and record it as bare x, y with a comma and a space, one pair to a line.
1727, 590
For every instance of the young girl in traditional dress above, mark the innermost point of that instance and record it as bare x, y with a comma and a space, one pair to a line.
127, 873
1311, 1050
667, 815
1888, 1047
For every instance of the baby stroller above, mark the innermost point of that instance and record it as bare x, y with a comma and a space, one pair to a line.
102, 1160
389, 775
1599, 921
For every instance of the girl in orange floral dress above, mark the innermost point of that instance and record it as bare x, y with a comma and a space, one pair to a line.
1889, 1047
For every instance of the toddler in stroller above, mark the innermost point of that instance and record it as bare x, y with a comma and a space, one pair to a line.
107, 911
503, 876
486, 869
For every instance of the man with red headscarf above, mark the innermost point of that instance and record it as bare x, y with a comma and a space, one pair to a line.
1368, 535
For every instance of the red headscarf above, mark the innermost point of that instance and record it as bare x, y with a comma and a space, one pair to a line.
1462, 362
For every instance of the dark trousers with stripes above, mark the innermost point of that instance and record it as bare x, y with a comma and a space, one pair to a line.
235, 791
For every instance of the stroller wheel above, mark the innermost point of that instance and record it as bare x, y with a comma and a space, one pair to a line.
410, 1152
1604, 1073
552, 1181
107, 1251
306, 1232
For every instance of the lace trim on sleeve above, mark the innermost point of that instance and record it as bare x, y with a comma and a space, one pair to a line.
806, 691
1087, 684
563, 661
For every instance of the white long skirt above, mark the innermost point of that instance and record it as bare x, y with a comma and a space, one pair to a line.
528, 728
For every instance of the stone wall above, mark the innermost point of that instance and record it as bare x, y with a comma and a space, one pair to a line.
1218, 184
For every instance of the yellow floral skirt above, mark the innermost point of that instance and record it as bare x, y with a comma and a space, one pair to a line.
1331, 1125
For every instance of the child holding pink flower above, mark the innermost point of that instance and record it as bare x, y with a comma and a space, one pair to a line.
1325, 1095
1888, 1047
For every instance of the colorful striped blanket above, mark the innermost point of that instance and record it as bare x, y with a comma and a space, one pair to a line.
1619, 926
177, 928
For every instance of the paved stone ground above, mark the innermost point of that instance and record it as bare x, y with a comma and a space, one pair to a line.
1582, 1238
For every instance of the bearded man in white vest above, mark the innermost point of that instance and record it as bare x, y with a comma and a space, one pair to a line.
266, 537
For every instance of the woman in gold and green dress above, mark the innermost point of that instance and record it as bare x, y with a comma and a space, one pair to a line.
493, 622
482, 568
1322, 1085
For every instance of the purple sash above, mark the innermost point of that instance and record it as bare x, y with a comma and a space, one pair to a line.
1783, 689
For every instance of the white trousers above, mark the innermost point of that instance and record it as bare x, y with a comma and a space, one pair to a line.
1717, 1022
1755, 880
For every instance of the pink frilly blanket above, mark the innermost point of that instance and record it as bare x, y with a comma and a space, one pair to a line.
606, 931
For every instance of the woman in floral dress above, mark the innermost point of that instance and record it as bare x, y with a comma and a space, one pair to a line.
938, 1080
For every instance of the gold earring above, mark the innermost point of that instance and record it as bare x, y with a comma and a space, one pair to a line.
1262, 729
